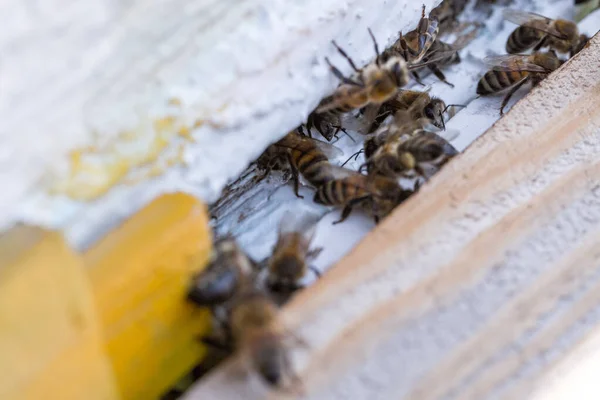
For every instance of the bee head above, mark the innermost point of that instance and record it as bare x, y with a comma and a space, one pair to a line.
434, 112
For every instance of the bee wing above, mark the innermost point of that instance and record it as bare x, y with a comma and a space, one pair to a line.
334, 100
463, 40
303, 222
512, 62
344, 173
295, 141
449, 150
531, 20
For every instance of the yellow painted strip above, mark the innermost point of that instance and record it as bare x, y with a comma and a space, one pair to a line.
50, 343
140, 273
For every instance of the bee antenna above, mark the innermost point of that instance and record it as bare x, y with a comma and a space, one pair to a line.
376, 47
443, 122
453, 105
347, 134
355, 155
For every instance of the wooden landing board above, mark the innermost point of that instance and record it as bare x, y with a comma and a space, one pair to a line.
50, 341
480, 283
140, 273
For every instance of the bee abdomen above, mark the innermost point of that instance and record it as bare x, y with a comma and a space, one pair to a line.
317, 173
496, 81
522, 39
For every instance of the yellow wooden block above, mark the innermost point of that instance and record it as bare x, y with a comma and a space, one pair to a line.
50, 344
140, 273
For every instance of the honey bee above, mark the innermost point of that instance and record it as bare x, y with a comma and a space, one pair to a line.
302, 155
442, 54
420, 106
415, 44
447, 13
513, 71
229, 269
263, 340
327, 123
374, 84
376, 195
291, 254
536, 31
422, 153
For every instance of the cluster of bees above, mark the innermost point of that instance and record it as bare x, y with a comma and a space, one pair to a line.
534, 32
403, 139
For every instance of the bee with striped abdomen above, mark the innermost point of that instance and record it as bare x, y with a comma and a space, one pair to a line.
376, 195
289, 262
302, 155
263, 340
376, 83
510, 72
420, 154
536, 31
420, 106
447, 13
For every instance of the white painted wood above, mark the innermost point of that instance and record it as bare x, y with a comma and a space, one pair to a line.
241, 74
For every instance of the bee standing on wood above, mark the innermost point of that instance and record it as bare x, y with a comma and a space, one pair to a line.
376, 195
441, 54
263, 340
228, 271
309, 157
420, 106
536, 31
513, 71
327, 123
447, 13
291, 254
374, 84
423, 154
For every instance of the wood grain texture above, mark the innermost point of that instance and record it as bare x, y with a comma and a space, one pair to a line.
140, 273
478, 285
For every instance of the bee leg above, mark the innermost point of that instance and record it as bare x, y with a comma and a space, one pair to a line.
315, 271
440, 75
509, 95
296, 179
345, 213
541, 43
341, 76
417, 78
216, 343
346, 56
314, 253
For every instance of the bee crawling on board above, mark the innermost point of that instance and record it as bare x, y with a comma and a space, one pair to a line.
303, 156
327, 123
420, 154
421, 107
447, 12
264, 340
376, 83
289, 262
510, 72
256, 331
228, 271
376, 195
536, 31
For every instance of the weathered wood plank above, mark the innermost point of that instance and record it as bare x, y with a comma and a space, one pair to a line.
479, 284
